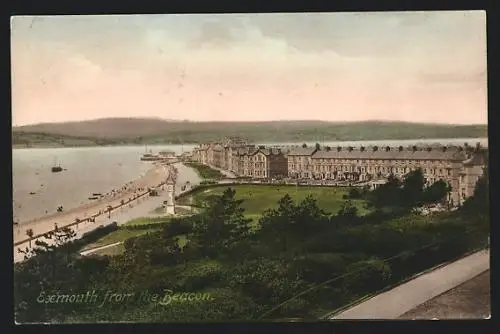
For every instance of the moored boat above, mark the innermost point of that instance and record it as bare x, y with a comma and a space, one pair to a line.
56, 169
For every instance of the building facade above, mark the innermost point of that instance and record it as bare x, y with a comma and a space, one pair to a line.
260, 163
368, 165
300, 162
450, 165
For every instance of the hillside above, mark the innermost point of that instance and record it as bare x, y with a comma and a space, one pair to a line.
157, 131
43, 140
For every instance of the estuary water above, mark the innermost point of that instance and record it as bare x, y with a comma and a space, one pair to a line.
88, 170
100, 169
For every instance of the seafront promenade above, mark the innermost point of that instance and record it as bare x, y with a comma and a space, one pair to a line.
132, 192
140, 206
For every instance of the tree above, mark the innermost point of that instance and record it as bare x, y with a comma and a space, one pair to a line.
348, 210
307, 215
436, 192
47, 268
413, 186
222, 225
388, 194
276, 224
478, 203
317, 146
30, 233
367, 276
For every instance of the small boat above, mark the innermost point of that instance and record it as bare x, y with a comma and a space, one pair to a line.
151, 157
56, 169
93, 198
96, 194
32, 193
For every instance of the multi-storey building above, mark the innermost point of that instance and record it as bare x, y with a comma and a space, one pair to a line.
460, 169
470, 172
231, 144
378, 163
218, 155
300, 163
260, 162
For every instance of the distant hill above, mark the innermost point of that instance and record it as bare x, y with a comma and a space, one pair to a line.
114, 131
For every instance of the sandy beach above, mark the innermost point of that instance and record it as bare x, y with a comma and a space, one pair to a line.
154, 177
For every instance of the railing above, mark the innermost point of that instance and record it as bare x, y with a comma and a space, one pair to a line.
87, 219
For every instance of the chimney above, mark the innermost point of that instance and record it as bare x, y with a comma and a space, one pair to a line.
339, 148
387, 148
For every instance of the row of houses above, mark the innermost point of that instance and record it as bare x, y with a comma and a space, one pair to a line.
458, 167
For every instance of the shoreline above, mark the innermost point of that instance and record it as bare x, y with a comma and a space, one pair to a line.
23, 146
133, 189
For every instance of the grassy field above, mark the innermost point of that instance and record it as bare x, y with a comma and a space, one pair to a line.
117, 236
110, 251
146, 220
122, 234
258, 198
205, 172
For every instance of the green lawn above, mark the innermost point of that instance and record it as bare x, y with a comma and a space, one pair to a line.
117, 236
258, 198
146, 220
205, 172
111, 251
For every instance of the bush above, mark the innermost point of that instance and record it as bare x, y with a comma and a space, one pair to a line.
178, 227
367, 276
145, 226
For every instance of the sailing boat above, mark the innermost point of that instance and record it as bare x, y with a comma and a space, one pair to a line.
56, 168
150, 156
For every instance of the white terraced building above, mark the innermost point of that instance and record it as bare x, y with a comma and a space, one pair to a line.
459, 169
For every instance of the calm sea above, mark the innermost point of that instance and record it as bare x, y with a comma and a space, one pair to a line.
88, 170
101, 169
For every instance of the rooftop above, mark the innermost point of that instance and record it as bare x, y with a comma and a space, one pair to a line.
302, 151
393, 153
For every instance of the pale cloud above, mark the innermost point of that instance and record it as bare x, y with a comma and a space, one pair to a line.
338, 66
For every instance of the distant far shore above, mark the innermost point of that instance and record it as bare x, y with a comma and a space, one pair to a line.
309, 142
125, 132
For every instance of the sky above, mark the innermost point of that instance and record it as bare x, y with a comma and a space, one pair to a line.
404, 66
